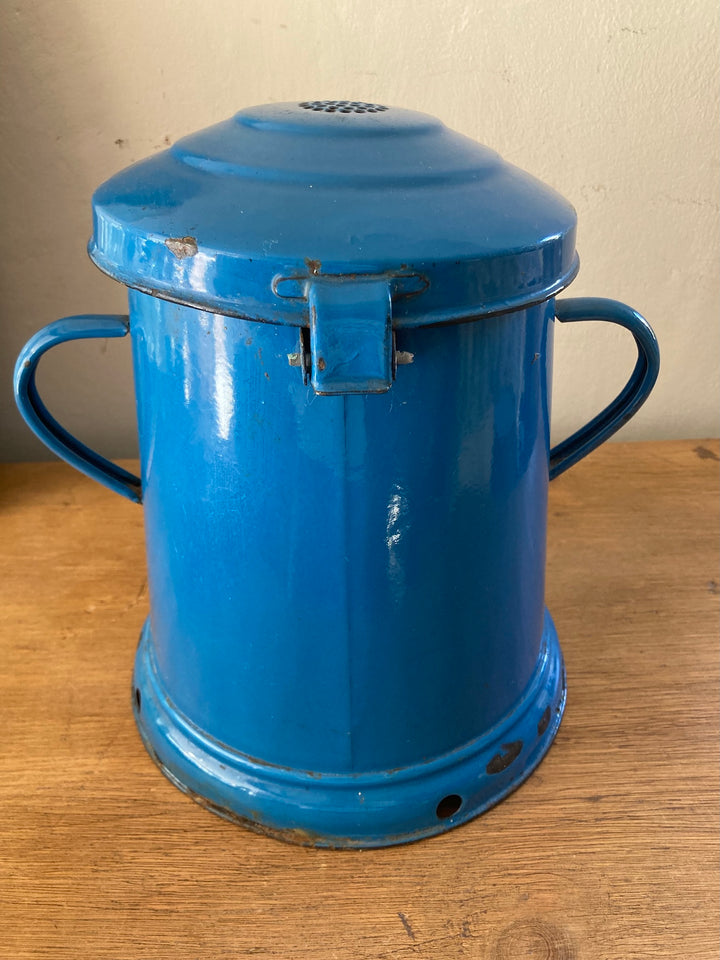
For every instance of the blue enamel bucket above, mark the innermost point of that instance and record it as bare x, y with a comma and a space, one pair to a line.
342, 320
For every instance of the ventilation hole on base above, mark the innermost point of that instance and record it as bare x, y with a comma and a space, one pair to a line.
544, 721
138, 698
448, 806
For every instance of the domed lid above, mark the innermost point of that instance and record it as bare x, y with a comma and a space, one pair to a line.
248, 217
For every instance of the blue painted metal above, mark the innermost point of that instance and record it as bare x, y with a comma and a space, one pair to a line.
42, 422
345, 504
280, 193
347, 591
351, 344
631, 397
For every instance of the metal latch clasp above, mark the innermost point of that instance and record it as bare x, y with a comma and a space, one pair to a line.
350, 344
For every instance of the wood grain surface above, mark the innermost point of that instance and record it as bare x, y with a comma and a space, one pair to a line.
609, 851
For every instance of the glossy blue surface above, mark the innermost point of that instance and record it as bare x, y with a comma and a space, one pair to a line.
373, 809
42, 422
634, 393
266, 200
344, 586
345, 504
351, 340
344, 583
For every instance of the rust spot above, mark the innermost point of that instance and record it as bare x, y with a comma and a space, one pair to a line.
304, 838
26, 365
314, 266
267, 375
321, 364
501, 761
544, 721
248, 341
182, 247
296, 835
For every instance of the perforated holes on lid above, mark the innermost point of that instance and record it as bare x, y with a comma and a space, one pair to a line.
342, 106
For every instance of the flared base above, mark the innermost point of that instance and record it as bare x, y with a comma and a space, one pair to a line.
344, 810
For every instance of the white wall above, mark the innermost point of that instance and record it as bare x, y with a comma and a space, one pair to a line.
613, 103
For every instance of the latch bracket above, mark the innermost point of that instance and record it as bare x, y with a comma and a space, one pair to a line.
349, 346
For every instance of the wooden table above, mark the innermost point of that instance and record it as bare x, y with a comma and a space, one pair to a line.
608, 851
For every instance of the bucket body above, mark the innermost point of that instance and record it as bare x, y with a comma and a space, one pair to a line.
342, 316
345, 588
